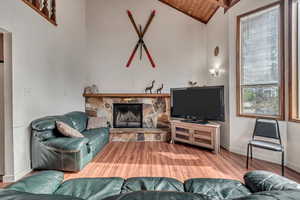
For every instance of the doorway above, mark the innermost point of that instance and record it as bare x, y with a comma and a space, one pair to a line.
1, 104
6, 136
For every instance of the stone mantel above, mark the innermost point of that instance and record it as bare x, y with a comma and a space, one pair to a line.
127, 95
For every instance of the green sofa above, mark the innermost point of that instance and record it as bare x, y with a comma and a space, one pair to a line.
46, 185
51, 151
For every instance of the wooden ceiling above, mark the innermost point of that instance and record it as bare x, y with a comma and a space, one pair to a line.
201, 10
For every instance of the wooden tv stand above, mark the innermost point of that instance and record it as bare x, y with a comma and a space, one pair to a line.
203, 135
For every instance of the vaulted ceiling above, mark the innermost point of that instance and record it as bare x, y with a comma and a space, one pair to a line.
201, 10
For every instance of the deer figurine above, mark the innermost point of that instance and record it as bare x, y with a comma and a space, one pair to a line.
192, 83
158, 91
150, 88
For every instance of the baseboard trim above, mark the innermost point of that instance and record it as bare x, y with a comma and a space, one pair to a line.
293, 166
21, 174
8, 178
15, 177
256, 155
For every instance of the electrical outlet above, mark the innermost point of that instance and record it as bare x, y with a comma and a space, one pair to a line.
27, 92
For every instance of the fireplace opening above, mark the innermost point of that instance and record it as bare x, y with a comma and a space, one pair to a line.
128, 115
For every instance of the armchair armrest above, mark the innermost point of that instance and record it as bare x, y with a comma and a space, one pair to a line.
66, 144
260, 181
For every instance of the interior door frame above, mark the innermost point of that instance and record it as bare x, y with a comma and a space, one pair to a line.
6, 122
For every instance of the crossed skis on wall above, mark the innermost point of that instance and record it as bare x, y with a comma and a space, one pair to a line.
141, 44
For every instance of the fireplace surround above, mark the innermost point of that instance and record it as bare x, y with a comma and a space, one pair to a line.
156, 107
155, 115
127, 115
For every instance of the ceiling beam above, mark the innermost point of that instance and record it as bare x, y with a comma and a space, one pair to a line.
231, 4
221, 3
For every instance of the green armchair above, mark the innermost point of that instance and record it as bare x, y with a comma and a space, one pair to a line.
50, 150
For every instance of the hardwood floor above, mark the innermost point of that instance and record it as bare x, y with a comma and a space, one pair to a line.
178, 161
170, 160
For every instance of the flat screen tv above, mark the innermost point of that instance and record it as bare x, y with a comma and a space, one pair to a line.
198, 103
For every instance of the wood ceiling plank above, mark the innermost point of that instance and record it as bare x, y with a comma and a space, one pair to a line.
181, 10
201, 10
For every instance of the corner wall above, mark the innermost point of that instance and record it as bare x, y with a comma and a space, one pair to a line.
176, 42
47, 64
217, 35
222, 32
241, 129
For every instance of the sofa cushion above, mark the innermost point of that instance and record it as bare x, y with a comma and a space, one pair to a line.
98, 138
45, 182
273, 195
155, 195
15, 195
79, 120
259, 181
93, 134
152, 184
67, 144
67, 130
91, 188
217, 188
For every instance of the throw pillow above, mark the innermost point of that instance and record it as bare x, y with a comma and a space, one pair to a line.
68, 131
96, 122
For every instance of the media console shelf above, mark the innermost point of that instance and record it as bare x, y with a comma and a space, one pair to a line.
203, 135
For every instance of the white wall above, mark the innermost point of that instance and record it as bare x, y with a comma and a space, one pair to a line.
241, 129
293, 149
48, 68
176, 42
222, 32
217, 35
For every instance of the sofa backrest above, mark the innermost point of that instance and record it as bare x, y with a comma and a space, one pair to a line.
45, 182
79, 120
262, 181
45, 128
152, 184
15, 195
264, 185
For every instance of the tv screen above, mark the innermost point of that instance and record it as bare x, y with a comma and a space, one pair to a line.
201, 103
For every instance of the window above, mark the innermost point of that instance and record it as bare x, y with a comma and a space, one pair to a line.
294, 84
260, 83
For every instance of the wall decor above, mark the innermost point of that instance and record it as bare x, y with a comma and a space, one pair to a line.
91, 89
192, 83
158, 91
150, 87
217, 51
141, 33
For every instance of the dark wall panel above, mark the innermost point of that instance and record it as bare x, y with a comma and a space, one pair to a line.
1, 48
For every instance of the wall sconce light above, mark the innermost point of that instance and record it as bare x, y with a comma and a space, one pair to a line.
216, 71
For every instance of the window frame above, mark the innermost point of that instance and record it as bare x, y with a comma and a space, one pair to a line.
294, 33
281, 85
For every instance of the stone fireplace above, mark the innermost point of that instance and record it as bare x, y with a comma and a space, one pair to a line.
126, 115
132, 117
155, 108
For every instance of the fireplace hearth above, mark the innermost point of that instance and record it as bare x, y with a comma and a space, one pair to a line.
127, 115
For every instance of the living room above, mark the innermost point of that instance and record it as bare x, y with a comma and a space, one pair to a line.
77, 55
